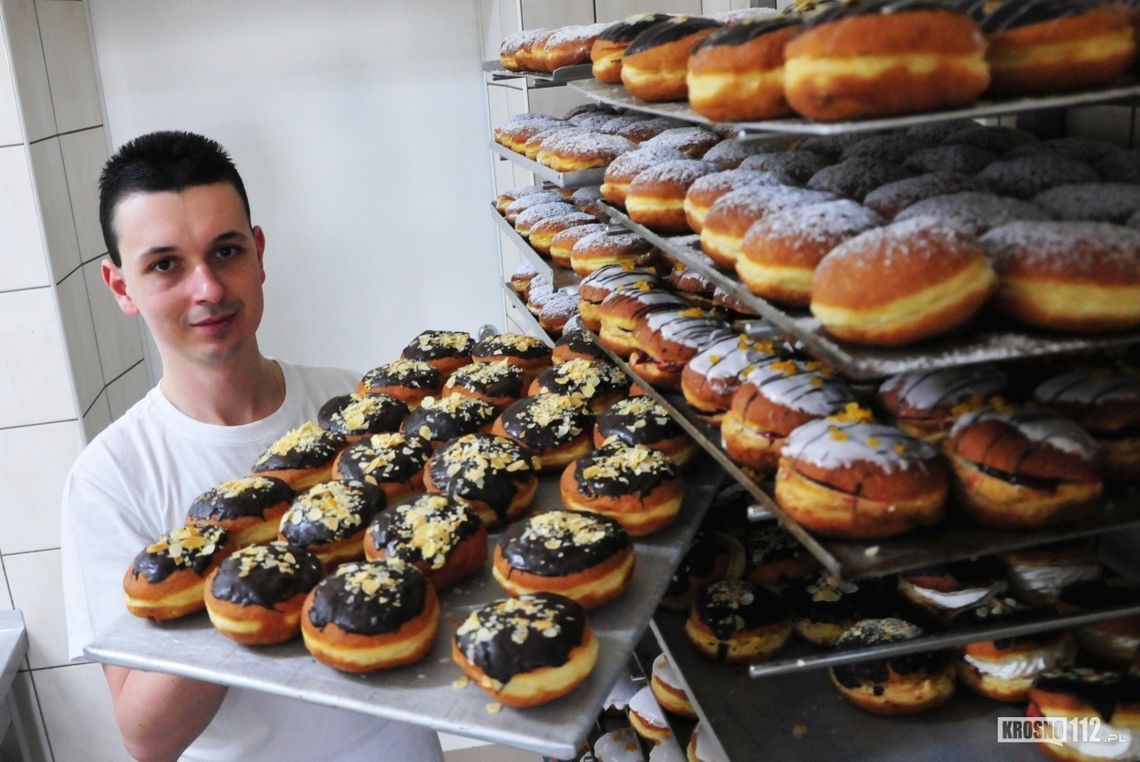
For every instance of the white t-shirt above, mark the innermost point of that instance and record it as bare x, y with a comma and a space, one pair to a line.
134, 482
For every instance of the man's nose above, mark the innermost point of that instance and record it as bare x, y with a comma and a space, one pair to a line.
207, 286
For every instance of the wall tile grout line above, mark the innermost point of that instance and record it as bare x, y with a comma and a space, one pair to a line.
13, 145
65, 132
97, 396
137, 363
15, 553
82, 264
22, 290
40, 709
37, 423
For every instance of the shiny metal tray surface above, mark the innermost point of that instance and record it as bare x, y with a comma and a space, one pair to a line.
425, 693
617, 95
561, 179
526, 317
493, 72
975, 344
802, 717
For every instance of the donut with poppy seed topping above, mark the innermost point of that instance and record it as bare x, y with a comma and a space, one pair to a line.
609, 47
248, 507
738, 622
529, 353
302, 457
255, 596
636, 486
167, 578
599, 383
493, 474
1023, 468
899, 685
441, 419
440, 535
407, 380
655, 63
639, 420
446, 351
356, 416
393, 461
329, 519
497, 383
555, 427
587, 557
371, 615
528, 650
843, 476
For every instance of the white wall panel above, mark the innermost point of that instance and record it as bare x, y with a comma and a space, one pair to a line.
27, 55
70, 64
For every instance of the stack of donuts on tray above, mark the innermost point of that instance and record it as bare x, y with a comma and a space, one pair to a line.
348, 528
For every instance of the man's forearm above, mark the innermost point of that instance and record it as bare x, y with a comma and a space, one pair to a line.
160, 715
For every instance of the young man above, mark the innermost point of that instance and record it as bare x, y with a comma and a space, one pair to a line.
184, 256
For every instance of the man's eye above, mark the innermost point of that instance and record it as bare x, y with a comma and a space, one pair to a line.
162, 265
226, 252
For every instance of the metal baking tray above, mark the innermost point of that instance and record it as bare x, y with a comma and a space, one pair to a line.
529, 323
560, 276
424, 693
561, 179
978, 345
493, 72
794, 716
616, 95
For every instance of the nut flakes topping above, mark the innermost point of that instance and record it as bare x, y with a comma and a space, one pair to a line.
484, 373
308, 437
457, 340
619, 461
187, 543
558, 529
235, 487
518, 342
375, 580
339, 505
276, 555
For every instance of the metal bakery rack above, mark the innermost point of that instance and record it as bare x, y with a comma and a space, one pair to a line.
559, 276
579, 179
495, 74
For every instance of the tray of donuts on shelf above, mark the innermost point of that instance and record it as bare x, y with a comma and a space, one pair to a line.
825, 66
478, 524
967, 639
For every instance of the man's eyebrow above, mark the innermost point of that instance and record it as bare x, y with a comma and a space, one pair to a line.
226, 237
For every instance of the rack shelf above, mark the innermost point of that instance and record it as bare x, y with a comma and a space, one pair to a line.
561, 179
495, 74
559, 276
618, 96
864, 363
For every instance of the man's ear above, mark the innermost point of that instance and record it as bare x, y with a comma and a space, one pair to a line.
259, 242
113, 277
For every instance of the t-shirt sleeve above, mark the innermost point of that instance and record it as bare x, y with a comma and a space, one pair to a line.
99, 537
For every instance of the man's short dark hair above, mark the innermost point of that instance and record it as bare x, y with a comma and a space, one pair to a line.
160, 162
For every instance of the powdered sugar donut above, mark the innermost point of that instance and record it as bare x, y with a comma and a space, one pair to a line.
729, 153
656, 197
694, 142
622, 170
575, 152
706, 190
605, 248
734, 213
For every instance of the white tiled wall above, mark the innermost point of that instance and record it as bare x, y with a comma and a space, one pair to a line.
68, 358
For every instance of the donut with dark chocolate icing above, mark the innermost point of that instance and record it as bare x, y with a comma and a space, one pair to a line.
599, 383
393, 461
355, 416
577, 345
255, 596
494, 474
441, 535
584, 556
497, 383
900, 685
1112, 641
713, 556
528, 650
772, 556
407, 380
330, 518
1097, 693
302, 457
445, 350
736, 621
369, 616
165, 580
441, 419
641, 421
655, 62
636, 486
249, 507
824, 608
608, 49
555, 427
530, 354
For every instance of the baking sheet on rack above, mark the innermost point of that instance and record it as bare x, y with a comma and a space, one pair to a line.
578, 179
537, 79
976, 346
616, 95
424, 693
801, 716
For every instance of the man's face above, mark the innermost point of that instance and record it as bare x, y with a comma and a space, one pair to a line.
192, 267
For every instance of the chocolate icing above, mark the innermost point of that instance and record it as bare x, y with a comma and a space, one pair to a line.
1101, 593
844, 10
819, 599
189, 547
331, 511
265, 575
625, 31
581, 343
441, 419
236, 498
307, 446
637, 420
559, 543
356, 414
482, 467
425, 531
590, 378
698, 563
769, 543
546, 421
980, 572
371, 598
413, 374
1013, 14
870, 632
616, 470
493, 379
433, 345
672, 30
550, 626
738, 34
1105, 692
734, 606
389, 457
1004, 611
510, 345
